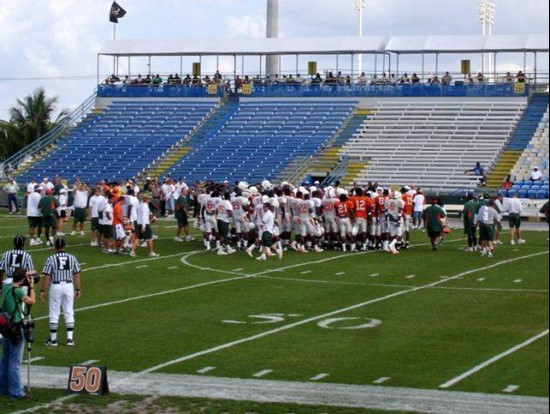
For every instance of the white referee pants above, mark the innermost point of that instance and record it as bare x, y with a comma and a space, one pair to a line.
62, 300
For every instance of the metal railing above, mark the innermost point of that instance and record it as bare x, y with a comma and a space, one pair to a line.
71, 120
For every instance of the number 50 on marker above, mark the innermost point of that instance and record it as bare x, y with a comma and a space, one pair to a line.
86, 379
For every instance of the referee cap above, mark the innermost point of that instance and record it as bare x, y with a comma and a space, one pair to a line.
60, 244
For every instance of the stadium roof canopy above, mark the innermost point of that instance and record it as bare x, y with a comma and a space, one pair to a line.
244, 47
468, 44
329, 45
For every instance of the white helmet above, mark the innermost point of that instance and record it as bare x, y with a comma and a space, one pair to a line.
266, 185
251, 226
243, 185
354, 231
397, 195
341, 191
319, 230
265, 199
302, 189
312, 189
285, 184
246, 194
253, 191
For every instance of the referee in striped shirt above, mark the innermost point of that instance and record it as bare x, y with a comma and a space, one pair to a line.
62, 277
14, 259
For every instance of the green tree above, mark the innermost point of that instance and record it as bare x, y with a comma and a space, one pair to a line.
30, 119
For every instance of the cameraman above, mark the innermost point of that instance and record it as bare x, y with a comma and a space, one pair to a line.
13, 298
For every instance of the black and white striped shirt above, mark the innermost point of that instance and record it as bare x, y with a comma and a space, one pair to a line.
61, 267
14, 259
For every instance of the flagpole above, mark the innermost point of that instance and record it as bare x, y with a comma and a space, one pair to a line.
114, 57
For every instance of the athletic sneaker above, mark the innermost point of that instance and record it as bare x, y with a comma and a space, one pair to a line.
82, 233
280, 254
189, 238
221, 253
60, 234
50, 343
490, 255
70, 342
38, 241
133, 254
73, 233
469, 250
33, 243
178, 239
318, 249
249, 252
262, 258
521, 241
153, 254
230, 250
513, 243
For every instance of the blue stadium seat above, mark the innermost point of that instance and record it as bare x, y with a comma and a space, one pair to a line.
522, 193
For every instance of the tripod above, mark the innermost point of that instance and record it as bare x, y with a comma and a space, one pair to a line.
29, 337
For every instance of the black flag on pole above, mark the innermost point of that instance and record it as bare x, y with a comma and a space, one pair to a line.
116, 13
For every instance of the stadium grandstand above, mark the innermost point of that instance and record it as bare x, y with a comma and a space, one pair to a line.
332, 126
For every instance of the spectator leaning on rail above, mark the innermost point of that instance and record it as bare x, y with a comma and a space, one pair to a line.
12, 189
446, 79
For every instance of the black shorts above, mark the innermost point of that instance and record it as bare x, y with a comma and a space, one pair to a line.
34, 222
95, 224
108, 231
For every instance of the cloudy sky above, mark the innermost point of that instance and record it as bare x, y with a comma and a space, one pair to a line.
54, 43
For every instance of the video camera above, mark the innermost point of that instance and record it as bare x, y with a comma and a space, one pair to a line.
31, 276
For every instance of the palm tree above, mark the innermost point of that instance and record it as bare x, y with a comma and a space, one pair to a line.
30, 119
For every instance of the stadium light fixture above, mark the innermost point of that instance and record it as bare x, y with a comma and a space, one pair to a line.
487, 21
360, 6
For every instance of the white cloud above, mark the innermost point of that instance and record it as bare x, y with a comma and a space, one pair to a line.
246, 26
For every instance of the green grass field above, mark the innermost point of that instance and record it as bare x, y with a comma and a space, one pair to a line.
416, 320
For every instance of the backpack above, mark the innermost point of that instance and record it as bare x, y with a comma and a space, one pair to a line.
8, 328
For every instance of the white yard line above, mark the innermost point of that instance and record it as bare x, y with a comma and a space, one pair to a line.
206, 370
263, 373
320, 377
232, 344
35, 359
510, 389
90, 362
381, 380
496, 358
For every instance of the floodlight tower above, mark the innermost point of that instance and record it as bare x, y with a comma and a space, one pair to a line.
487, 21
272, 62
360, 8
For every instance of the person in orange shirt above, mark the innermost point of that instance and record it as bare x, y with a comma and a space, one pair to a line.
346, 215
362, 207
118, 222
407, 216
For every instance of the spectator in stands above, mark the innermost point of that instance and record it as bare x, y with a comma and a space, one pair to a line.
447, 79
127, 80
415, 79
478, 171
480, 77
509, 78
393, 80
536, 175
138, 80
218, 77
157, 80
331, 80
111, 80
197, 81
238, 84
299, 80
187, 81
470, 80
362, 80
404, 79
317, 79
177, 79
348, 80
434, 81
508, 184
520, 77
148, 80
207, 80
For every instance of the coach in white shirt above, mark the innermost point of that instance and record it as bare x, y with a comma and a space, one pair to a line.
144, 230
418, 208
515, 209
34, 216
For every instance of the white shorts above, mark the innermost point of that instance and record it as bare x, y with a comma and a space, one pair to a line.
310, 227
361, 224
210, 224
384, 227
331, 226
345, 227
120, 234
396, 228
287, 225
301, 228
241, 225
